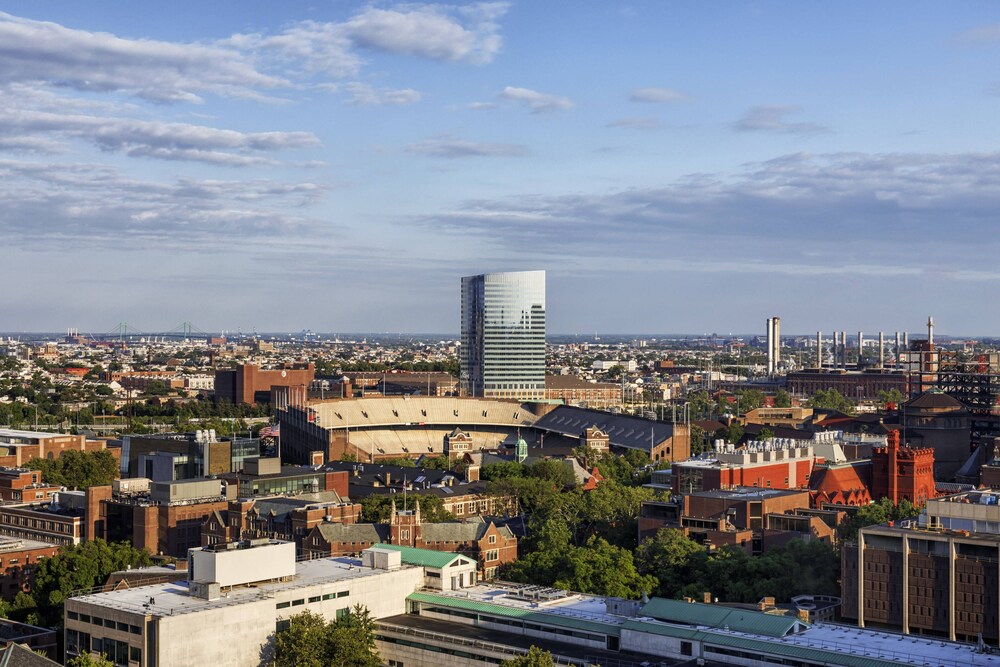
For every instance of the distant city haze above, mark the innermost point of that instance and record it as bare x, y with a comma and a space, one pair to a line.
673, 167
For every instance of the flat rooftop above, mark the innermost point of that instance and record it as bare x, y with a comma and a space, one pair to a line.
15, 433
172, 598
747, 493
872, 647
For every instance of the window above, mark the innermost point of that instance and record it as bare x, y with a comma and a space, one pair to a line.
343, 613
315, 599
283, 605
343, 594
300, 601
492, 539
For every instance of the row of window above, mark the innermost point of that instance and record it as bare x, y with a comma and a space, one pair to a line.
516, 623
104, 622
316, 598
119, 652
38, 524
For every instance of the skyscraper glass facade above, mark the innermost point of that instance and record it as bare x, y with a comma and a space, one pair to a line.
503, 335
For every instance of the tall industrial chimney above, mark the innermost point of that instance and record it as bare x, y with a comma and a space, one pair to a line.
770, 346
881, 350
843, 350
777, 342
898, 349
861, 344
819, 350
930, 332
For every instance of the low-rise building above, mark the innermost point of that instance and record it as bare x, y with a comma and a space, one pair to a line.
24, 485
18, 560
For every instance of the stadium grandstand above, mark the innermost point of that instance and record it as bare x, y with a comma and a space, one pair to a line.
379, 428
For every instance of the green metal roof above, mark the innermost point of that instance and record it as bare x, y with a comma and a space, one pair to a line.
714, 616
516, 612
824, 656
425, 557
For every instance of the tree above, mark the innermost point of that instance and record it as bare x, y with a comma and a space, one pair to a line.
89, 660
535, 657
309, 641
501, 470
881, 512
698, 443
732, 433
831, 400
77, 567
891, 398
78, 470
750, 399
352, 640
667, 556
782, 399
303, 643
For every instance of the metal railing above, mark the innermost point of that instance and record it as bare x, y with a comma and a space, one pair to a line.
502, 649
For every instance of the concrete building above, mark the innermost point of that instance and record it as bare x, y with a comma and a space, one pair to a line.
939, 422
938, 574
503, 336
164, 457
238, 595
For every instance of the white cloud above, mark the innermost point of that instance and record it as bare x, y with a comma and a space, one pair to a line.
657, 95
40, 51
536, 101
771, 118
51, 205
447, 147
364, 95
157, 139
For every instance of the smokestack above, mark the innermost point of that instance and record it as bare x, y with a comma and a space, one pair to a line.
835, 350
898, 349
930, 332
861, 343
819, 349
770, 346
906, 340
777, 342
881, 350
843, 350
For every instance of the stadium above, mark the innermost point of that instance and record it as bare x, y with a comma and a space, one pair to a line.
380, 428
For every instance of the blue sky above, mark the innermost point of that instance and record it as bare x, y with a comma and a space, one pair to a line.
674, 166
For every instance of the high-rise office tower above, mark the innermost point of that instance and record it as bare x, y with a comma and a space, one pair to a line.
503, 335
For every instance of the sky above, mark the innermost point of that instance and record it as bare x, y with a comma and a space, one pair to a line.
685, 167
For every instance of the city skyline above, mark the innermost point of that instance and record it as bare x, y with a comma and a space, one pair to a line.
337, 166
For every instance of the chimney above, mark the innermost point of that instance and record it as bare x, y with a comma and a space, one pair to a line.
861, 342
706, 597
472, 474
819, 349
881, 350
843, 350
930, 333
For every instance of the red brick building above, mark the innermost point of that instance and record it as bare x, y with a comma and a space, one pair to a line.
23, 485
846, 483
772, 464
488, 544
18, 561
19, 447
249, 384
902, 473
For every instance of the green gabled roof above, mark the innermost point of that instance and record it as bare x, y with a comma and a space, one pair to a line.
424, 557
516, 612
714, 616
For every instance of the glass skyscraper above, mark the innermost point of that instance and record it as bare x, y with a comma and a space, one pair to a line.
503, 335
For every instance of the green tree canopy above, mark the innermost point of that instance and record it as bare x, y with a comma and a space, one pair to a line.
535, 657
309, 641
78, 470
782, 399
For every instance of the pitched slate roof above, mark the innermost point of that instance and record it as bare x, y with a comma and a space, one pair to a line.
17, 655
354, 532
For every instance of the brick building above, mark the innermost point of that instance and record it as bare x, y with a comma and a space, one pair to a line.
754, 519
18, 561
770, 464
574, 390
249, 384
902, 473
490, 545
19, 447
937, 574
864, 385
282, 517
23, 485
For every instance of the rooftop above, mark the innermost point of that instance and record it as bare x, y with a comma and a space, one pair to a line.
172, 598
